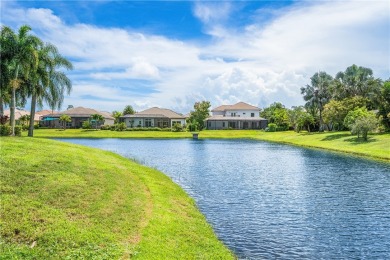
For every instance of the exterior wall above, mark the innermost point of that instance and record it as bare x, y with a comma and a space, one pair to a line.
242, 113
108, 121
76, 122
182, 122
218, 113
239, 124
155, 122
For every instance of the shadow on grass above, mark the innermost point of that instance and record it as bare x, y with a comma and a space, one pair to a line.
332, 137
355, 140
89, 130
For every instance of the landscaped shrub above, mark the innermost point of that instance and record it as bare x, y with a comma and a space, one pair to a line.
87, 125
36, 126
18, 130
271, 128
177, 128
120, 126
5, 130
105, 127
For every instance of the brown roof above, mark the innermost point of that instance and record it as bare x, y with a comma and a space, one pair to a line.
19, 113
82, 112
44, 112
157, 112
238, 106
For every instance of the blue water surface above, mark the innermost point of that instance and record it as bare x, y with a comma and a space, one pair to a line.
268, 201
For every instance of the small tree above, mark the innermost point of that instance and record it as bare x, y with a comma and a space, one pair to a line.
116, 115
128, 110
24, 120
65, 119
364, 124
97, 118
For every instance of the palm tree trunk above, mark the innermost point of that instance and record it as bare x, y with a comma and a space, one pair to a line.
1, 107
13, 102
32, 114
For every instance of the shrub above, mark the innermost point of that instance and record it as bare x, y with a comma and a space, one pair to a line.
364, 124
25, 127
18, 130
86, 125
5, 130
36, 126
177, 128
271, 128
105, 127
120, 126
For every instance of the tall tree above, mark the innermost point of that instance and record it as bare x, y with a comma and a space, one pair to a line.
116, 114
47, 83
318, 93
128, 110
356, 81
21, 49
199, 115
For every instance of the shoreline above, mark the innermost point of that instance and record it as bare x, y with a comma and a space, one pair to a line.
377, 148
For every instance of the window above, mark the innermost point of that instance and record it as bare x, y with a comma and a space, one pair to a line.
223, 124
148, 122
252, 114
233, 114
209, 124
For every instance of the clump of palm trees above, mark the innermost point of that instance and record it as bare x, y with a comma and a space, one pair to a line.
31, 69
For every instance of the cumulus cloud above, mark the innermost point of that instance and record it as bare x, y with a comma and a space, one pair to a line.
258, 63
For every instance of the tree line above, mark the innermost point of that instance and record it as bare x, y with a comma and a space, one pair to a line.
354, 99
30, 69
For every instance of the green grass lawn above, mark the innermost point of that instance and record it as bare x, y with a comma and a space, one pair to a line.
377, 147
66, 201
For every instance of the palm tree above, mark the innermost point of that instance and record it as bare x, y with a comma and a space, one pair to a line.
47, 84
318, 93
22, 57
356, 81
97, 118
64, 119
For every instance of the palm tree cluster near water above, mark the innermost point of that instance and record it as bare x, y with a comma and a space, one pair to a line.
31, 69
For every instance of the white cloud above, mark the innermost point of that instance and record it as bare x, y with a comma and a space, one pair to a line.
260, 63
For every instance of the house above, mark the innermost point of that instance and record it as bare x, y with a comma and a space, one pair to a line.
19, 113
154, 117
237, 116
78, 115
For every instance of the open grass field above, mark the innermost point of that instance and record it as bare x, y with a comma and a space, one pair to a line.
64, 201
377, 147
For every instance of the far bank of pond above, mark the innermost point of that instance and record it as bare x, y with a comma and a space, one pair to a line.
377, 147
268, 200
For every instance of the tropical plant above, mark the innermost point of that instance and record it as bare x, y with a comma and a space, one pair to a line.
128, 110
177, 127
276, 113
199, 115
86, 125
48, 83
116, 115
24, 119
97, 118
65, 119
299, 118
317, 94
384, 104
20, 58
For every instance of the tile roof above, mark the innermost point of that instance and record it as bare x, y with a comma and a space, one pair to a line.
238, 106
82, 112
157, 112
19, 113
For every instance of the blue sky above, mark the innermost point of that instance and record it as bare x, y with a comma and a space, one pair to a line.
171, 54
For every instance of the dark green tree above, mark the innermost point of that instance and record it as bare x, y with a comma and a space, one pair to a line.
317, 94
199, 115
128, 110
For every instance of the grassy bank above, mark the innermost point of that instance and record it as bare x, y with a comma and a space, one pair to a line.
377, 147
60, 200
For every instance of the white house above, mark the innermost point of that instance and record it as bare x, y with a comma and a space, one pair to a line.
237, 116
154, 117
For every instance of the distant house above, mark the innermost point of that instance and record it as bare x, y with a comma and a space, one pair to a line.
78, 116
19, 113
154, 117
237, 116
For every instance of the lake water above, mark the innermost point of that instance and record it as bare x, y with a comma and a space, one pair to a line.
268, 201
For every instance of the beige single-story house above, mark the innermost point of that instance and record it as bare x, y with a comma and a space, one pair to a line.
19, 113
154, 117
237, 116
78, 115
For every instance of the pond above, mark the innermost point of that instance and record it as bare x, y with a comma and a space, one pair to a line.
268, 200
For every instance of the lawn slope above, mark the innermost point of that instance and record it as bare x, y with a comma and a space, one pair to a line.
65, 201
